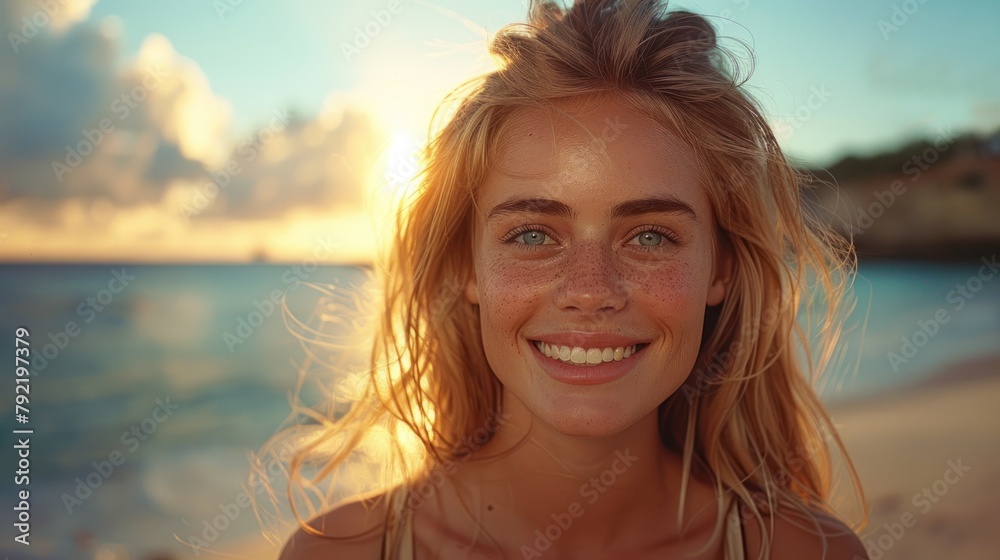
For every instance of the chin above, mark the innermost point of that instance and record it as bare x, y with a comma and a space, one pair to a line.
593, 420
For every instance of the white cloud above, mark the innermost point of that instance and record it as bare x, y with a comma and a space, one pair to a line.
99, 159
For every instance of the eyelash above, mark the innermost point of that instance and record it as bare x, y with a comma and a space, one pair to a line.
520, 230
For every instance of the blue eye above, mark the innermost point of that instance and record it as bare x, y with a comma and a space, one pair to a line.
652, 236
531, 237
655, 238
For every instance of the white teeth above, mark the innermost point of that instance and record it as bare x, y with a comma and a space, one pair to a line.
594, 356
589, 356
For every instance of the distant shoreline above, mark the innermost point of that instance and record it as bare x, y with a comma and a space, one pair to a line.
943, 252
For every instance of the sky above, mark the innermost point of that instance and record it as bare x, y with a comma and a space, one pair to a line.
229, 130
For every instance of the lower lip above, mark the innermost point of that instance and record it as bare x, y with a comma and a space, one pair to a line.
604, 372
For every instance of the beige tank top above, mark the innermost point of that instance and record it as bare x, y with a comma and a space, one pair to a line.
397, 543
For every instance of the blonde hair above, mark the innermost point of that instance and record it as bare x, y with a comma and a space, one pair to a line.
747, 419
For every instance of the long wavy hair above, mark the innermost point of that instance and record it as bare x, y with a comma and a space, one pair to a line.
747, 420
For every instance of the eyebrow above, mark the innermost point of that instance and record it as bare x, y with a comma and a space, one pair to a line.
652, 205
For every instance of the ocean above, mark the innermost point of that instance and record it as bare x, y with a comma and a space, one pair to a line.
152, 382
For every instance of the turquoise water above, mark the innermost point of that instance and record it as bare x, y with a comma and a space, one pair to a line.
154, 354
915, 319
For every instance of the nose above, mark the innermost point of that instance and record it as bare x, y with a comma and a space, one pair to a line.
591, 282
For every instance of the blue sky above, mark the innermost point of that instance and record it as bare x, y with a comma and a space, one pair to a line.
941, 67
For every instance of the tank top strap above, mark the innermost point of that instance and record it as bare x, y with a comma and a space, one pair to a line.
397, 540
735, 543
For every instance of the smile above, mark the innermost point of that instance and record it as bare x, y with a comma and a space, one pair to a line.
578, 356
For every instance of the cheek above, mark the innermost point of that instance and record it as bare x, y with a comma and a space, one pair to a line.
509, 293
510, 289
676, 288
672, 298
503, 295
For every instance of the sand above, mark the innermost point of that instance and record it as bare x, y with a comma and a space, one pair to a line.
929, 459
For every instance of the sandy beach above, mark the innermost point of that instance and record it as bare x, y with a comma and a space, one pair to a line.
929, 460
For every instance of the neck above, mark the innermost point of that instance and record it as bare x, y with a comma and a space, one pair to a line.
597, 490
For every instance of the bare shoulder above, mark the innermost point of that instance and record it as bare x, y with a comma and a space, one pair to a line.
796, 536
352, 530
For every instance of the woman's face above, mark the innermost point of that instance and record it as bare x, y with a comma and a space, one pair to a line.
594, 237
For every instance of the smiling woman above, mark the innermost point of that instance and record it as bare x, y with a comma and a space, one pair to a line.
589, 251
604, 219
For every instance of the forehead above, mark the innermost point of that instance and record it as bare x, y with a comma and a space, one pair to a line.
599, 149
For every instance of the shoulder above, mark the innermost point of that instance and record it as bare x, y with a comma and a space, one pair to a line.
796, 536
352, 530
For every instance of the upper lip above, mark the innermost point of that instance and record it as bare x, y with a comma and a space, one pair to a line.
588, 339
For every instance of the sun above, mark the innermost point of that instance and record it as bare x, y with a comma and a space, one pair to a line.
400, 165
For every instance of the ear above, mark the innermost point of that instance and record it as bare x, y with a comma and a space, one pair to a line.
472, 288
723, 265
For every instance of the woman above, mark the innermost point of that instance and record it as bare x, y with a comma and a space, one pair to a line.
590, 318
